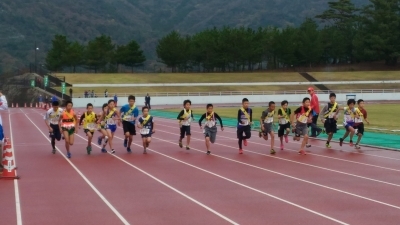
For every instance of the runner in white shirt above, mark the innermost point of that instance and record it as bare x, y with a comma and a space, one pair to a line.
3, 102
51, 120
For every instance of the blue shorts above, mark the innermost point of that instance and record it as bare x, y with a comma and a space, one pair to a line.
112, 127
348, 125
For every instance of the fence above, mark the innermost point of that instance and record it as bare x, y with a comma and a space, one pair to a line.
247, 93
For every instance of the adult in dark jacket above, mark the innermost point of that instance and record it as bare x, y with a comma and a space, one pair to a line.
147, 100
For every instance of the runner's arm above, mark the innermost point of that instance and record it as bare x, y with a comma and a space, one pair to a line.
82, 117
239, 118
251, 115
323, 112
46, 120
202, 118
219, 119
280, 114
180, 115
76, 120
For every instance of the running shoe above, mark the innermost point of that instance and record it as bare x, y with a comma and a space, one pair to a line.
53, 151
328, 145
88, 149
99, 140
128, 150
180, 144
68, 155
281, 147
145, 152
112, 151
308, 145
351, 143
187, 147
324, 131
357, 146
240, 151
103, 150
125, 142
208, 152
245, 142
341, 141
286, 139
272, 152
302, 152
260, 134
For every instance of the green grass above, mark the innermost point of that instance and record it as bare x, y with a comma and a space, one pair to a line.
356, 76
124, 78
384, 116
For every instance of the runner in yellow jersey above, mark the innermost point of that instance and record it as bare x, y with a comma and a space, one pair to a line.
185, 117
284, 122
147, 128
300, 118
267, 122
68, 123
330, 115
102, 128
89, 120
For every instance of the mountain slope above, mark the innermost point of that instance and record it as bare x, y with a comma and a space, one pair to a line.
22, 22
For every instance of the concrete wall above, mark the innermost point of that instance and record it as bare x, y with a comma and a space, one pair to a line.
235, 99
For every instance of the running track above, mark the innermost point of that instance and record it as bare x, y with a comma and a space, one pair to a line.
170, 185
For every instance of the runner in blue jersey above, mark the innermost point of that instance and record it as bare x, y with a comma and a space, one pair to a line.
111, 118
129, 113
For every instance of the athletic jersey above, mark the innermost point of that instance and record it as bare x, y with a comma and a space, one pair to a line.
109, 117
363, 115
129, 113
89, 121
53, 117
329, 110
211, 119
3, 101
267, 116
245, 117
147, 123
286, 115
68, 120
185, 114
349, 115
303, 114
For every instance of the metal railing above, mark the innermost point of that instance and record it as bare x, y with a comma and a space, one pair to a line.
246, 93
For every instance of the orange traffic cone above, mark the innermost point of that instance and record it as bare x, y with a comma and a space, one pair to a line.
25, 105
7, 143
12, 105
31, 104
9, 168
36, 105
16, 105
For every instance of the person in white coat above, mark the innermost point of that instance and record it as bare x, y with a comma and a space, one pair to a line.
3, 102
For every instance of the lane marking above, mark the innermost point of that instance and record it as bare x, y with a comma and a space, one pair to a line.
16, 187
151, 176
124, 221
308, 153
228, 130
285, 175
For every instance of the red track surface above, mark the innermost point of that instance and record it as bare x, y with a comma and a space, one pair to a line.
170, 185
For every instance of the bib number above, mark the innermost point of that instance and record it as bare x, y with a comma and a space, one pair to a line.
210, 123
144, 131
128, 118
282, 121
91, 126
245, 122
268, 120
110, 121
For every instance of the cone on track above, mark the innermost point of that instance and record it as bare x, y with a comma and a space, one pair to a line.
12, 105
16, 105
7, 143
9, 168
37, 105
25, 105
31, 104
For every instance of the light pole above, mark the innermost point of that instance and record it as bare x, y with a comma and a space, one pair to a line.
36, 49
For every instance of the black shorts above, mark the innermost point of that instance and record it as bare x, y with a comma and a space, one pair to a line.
245, 129
128, 127
87, 130
56, 132
282, 129
146, 135
330, 126
185, 130
360, 128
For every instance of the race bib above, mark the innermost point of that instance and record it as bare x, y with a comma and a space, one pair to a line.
91, 126
303, 119
358, 120
54, 121
282, 121
245, 122
210, 123
129, 118
331, 115
269, 120
110, 121
187, 122
144, 131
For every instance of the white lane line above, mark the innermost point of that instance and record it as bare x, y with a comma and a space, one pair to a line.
317, 146
124, 221
235, 182
285, 175
16, 187
306, 164
308, 153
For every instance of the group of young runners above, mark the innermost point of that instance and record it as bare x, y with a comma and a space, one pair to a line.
63, 123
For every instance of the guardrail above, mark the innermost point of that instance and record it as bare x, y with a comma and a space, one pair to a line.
246, 93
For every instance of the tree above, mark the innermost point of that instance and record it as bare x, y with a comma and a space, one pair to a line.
133, 55
55, 59
381, 31
310, 47
75, 55
99, 53
170, 50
